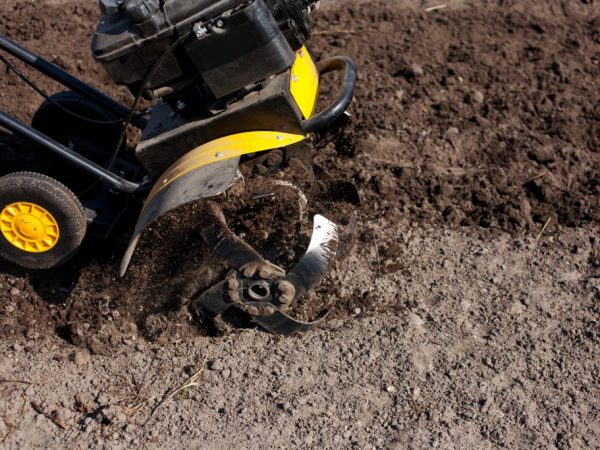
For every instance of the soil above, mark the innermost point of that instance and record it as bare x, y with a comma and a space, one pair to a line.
467, 316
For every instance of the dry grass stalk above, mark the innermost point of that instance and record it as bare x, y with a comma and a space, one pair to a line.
542, 230
436, 8
52, 417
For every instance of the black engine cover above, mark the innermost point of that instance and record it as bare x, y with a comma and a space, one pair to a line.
232, 43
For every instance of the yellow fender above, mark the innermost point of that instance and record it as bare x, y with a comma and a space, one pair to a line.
204, 172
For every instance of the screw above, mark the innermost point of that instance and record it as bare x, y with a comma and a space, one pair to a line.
199, 30
220, 23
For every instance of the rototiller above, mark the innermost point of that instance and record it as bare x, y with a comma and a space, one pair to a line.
231, 82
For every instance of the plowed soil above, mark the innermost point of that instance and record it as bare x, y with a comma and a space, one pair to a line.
474, 142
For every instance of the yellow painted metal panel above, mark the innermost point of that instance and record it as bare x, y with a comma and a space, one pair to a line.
222, 149
304, 82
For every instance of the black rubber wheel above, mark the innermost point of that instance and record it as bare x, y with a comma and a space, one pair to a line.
94, 141
42, 223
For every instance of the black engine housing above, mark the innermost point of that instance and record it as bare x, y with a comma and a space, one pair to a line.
231, 45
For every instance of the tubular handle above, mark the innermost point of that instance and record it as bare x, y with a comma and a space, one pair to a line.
339, 106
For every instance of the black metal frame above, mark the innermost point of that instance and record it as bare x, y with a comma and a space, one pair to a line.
316, 123
342, 102
66, 79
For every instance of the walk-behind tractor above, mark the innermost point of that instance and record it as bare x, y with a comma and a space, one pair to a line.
231, 83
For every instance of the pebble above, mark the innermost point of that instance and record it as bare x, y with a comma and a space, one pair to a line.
32, 334
285, 406
216, 365
416, 70
390, 389
452, 131
478, 97
88, 424
226, 373
415, 321
8, 309
17, 347
14, 292
416, 392
357, 311
80, 357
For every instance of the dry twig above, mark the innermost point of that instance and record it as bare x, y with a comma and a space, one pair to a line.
435, 8
17, 381
542, 230
52, 417
335, 32
191, 381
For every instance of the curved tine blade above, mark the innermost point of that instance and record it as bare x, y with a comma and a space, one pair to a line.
318, 258
211, 302
282, 324
224, 242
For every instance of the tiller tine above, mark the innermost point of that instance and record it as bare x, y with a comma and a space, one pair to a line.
263, 295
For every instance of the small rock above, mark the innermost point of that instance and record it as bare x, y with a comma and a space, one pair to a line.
357, 311
32, 334
88, 424
415, 321
452, 131
62, 414
416, 392
80, 357
3, 429
478, 97
226, 373
17, 347
284, 406
416, 70
8, 309
389, 388
14, 292
216, 365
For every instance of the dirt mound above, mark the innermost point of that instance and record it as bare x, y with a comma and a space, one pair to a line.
465, 118
470, 118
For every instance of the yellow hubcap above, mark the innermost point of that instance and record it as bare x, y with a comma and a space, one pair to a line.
29, 227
